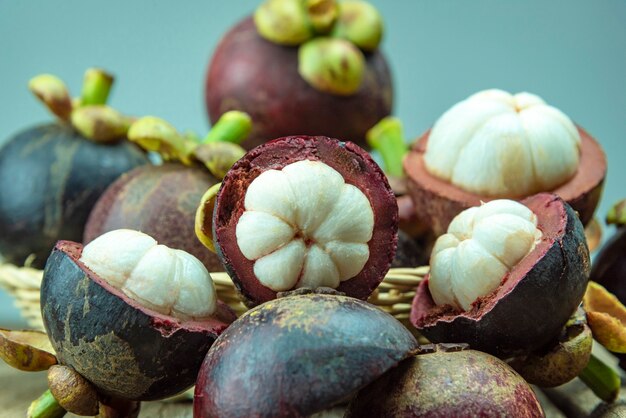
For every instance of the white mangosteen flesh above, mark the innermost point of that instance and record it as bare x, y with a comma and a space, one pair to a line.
502, 145
168, 281
303, 226
481, 246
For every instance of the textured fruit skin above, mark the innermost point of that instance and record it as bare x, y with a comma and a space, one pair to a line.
50, 179
298, 355
437, 202
464, 383
357, 168
260, 78
529, 309
609, 265
160, 201
126, 351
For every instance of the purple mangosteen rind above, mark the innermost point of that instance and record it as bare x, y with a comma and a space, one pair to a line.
254, 75
160, 201
321, 348
50, 179
125, 350
535, 300
357, 168
448, 384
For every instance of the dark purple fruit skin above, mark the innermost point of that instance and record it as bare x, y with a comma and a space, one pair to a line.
609, 265
531, 315
50, 179
160, 201
251, 74
298, 355
464, 383
125, 351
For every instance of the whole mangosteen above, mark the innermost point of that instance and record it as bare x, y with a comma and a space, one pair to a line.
161, 201
52, 175
298, 355
447, 381
506, 277
497, 145
303, 67
132, 317
304, 211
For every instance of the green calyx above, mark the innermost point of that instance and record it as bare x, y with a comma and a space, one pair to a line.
218, 151
331, 65
360, 23
88, 114
387, 138
617, 214
283, 22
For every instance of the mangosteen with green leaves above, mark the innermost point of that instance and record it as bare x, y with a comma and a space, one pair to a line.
51, 175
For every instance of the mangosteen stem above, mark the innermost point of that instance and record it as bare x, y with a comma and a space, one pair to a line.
617, 214
387, 138
46, 406
233, 126
602, 379
96, 87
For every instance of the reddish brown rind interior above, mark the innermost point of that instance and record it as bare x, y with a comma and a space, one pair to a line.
160, 201
298, 355
124, 349
356, 167
437, 201
251, 74
533, 303
463, 383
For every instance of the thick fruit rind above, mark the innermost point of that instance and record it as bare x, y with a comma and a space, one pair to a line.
463, 383
125, 350
535, 300
298, 355
356, 167
251, 74
437, 201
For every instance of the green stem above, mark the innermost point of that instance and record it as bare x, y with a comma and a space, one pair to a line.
96, 87
601, 379
387, 138
233, 126
617, 214
45, 407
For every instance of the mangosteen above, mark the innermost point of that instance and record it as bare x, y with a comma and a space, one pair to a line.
609, 265
303, 67
132, 317
304, 211
447, 381
52, 175
506, 277
298, 355
161, 201
497, 145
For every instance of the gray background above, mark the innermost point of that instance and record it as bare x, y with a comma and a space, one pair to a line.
570, 52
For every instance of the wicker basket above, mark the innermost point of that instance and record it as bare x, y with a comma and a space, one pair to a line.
393, 295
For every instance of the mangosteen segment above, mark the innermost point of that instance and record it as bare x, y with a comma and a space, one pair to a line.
126, 350
298, 355
305, 212
482, 245
503, 145
171, 282
527, 311
305, 227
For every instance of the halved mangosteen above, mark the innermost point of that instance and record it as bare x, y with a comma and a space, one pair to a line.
133, 317
298, 355
305, 211
498, 145
506, 277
